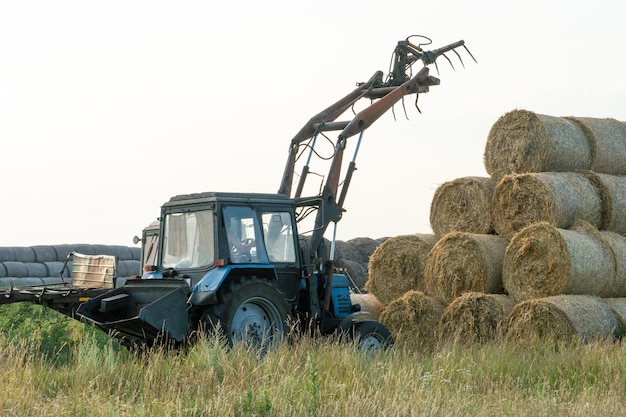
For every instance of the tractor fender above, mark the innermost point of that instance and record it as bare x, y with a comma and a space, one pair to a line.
346, 323
205, 291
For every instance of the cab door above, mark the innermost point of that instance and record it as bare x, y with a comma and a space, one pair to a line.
280, 237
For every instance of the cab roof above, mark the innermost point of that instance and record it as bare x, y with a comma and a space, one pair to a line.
229, 197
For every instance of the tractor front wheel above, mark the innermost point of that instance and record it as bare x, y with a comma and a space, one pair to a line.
371, 335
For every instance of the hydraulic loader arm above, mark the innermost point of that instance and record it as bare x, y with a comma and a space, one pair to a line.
384, 94
319, 123
330, 203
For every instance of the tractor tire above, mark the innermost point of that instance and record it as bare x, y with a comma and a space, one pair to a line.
371, 335
252, 311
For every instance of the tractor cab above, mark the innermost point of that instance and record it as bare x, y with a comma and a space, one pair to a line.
230, 233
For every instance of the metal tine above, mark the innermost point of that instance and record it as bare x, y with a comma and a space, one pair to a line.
460, 59
450, 62
406, 115
470, 54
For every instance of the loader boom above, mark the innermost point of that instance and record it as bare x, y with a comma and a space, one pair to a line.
383, 94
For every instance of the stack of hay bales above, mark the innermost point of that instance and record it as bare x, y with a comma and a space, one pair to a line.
543, 233
556, 169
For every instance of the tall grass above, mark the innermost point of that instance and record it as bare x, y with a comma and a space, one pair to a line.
320, 377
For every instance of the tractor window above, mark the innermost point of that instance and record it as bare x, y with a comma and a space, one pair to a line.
188, 240
279, 236
150, 244
242, 231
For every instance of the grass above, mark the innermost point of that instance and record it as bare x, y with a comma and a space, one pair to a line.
90, 375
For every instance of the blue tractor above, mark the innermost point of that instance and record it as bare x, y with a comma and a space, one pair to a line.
236, 261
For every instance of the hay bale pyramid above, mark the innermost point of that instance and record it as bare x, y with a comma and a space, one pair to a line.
535, 250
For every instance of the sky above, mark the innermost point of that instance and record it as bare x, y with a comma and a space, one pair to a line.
107, 109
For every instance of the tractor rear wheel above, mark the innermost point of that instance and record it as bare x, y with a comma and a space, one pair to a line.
252, 311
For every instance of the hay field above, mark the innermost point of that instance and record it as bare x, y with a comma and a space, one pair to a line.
323, 377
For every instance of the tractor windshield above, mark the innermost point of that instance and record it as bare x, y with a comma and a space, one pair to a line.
188, 240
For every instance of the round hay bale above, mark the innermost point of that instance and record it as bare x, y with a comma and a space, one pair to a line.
607, 139
365, 245
474, 317
36, 270
464, 262
522, 141
128, 268
463, 205
15, 269
24, 254
85, 249
562, 317
133, 267
618, 306
63, 250
120, 270
54, 268
44, 253
397, 266
51, 281
413, 319
368, 303
542, 261
135, 253
122, 253
617, 243
344, 250
612, 191
559, 198
21, 282
7, 254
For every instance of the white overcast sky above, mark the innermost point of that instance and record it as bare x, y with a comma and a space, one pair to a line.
107, 109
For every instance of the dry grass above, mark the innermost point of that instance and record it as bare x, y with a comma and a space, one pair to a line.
317, 378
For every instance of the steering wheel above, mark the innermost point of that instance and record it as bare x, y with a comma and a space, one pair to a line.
242, 251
